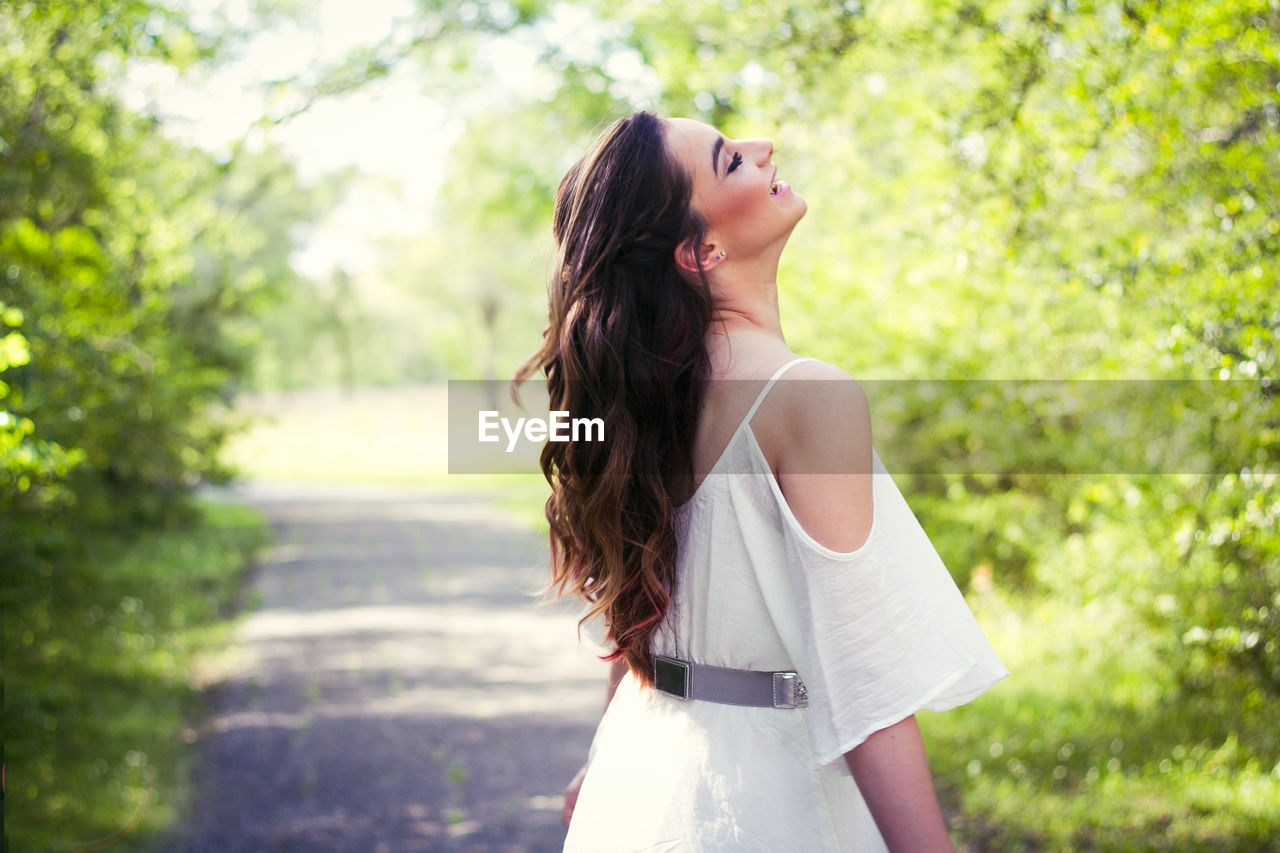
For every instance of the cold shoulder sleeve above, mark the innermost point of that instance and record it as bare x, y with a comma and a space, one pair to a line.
878, 633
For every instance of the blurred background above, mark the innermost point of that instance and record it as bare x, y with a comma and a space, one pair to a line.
254, 239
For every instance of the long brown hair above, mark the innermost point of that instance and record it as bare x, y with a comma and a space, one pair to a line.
625, 343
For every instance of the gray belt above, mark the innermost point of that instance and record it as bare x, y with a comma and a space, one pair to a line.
750, 687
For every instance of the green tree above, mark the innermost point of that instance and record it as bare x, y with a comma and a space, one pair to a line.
130, 268
141, 261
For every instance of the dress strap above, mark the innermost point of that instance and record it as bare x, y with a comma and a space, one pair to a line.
764, 392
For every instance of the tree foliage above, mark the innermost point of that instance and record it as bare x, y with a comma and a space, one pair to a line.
1020, 190
133, 263
998, 190
1048, 190
132, 267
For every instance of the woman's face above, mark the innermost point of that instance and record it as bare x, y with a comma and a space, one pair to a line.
735, 187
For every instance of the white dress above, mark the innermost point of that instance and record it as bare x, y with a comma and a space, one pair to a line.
876, 634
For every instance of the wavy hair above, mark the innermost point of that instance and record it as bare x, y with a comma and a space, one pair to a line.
625, 343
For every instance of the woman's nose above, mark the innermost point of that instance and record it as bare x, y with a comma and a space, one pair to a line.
766, 151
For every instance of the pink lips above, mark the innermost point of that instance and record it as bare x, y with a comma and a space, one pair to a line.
782, 186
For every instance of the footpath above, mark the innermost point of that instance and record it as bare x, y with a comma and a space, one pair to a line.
394, 685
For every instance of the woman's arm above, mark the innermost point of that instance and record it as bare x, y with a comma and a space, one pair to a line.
616, 671
892, 773
825, 471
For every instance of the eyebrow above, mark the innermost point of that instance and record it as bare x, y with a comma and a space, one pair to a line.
715, 155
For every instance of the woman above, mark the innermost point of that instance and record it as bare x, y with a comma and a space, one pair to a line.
774, 612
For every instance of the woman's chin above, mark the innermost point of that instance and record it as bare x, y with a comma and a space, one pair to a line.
787, 196
800, 203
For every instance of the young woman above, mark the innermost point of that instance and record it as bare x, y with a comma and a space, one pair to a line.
775, 613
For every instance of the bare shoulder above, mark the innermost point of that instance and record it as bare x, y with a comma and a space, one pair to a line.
821, 425
815, 412
821, 403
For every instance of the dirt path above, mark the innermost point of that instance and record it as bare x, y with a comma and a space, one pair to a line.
396, 689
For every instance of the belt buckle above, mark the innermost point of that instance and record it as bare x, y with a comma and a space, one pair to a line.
671, 676
789, 691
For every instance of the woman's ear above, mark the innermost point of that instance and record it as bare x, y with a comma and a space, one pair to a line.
687, 258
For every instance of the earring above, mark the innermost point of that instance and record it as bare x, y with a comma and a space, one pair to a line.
720, 257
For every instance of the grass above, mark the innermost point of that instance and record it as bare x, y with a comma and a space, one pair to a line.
1091, 745
371, 435
104, 668
387, 435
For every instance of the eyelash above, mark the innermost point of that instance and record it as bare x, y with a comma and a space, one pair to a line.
734, 163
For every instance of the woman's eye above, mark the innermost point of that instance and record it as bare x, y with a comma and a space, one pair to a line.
734, 163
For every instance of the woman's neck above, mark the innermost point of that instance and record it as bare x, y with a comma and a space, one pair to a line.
747, 306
